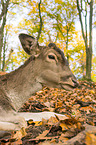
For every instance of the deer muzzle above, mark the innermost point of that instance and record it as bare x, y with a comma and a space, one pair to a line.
69, 83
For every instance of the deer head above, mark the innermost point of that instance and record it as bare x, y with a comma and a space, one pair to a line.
51, 67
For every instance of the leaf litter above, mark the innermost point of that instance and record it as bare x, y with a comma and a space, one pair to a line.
77, 127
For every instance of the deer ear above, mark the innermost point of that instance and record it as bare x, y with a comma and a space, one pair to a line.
29, 44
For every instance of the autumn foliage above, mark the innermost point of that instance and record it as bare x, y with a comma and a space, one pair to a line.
76, 127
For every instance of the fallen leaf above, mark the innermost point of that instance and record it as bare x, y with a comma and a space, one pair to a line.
62, 138
90, 139
19, 134
88, 109
63, 126
43, 134
92, 91
52, 120
38, 123
59, 117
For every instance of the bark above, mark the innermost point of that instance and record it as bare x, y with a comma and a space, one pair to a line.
67, 46
85, 36
40, 21
89, 49
81, 21
9, 57
4, 10
4, 50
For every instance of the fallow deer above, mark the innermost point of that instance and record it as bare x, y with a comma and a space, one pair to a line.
47, 66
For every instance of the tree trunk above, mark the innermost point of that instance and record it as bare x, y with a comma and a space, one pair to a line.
67, 47
7, 61
84, 34
1, 45
4, 50
4, 9
89, 49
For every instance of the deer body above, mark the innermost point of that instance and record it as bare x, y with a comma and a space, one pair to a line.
14, 84
46, 66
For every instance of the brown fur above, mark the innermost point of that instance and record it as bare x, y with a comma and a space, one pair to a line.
49, 67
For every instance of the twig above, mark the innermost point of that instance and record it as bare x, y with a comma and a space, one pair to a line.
40, 21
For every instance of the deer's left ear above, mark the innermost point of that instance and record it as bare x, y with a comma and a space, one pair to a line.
29, 44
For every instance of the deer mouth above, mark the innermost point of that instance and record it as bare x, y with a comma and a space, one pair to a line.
69, 84
67, 87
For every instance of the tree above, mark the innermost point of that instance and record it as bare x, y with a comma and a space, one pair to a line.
40, 24
15, 57
82, 6
58, 21
63, 14
57, 24
5, 6
3, 13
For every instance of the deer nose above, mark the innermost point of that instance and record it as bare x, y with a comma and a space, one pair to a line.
75, 83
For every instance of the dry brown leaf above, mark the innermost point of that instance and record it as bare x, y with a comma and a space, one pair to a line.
79, 126
62, 138
62, 110
69, 121
48, 109
58, 104
44, 143
76, 106
88, 109
43, 138
53, 141
44, 121
17, 142
59, 117
19, 134
70, 134
63, 126
90, 139
43, 134
52, 120
65, 101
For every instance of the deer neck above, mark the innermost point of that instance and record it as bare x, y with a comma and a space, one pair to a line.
21, 84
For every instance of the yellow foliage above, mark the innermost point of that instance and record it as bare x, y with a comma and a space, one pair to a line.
58, 1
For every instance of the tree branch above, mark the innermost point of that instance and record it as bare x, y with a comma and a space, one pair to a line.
81, 21
40, 21
3, 18
4, 8
86, 20
60, 30
50, 40
7, 61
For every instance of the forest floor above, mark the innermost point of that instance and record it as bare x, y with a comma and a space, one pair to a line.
77, 127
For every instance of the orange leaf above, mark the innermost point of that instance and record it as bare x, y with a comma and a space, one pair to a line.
88, 109
90, 139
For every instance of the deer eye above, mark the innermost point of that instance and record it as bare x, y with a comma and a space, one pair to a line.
51, 56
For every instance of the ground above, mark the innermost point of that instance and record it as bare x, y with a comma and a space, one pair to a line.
77, 127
